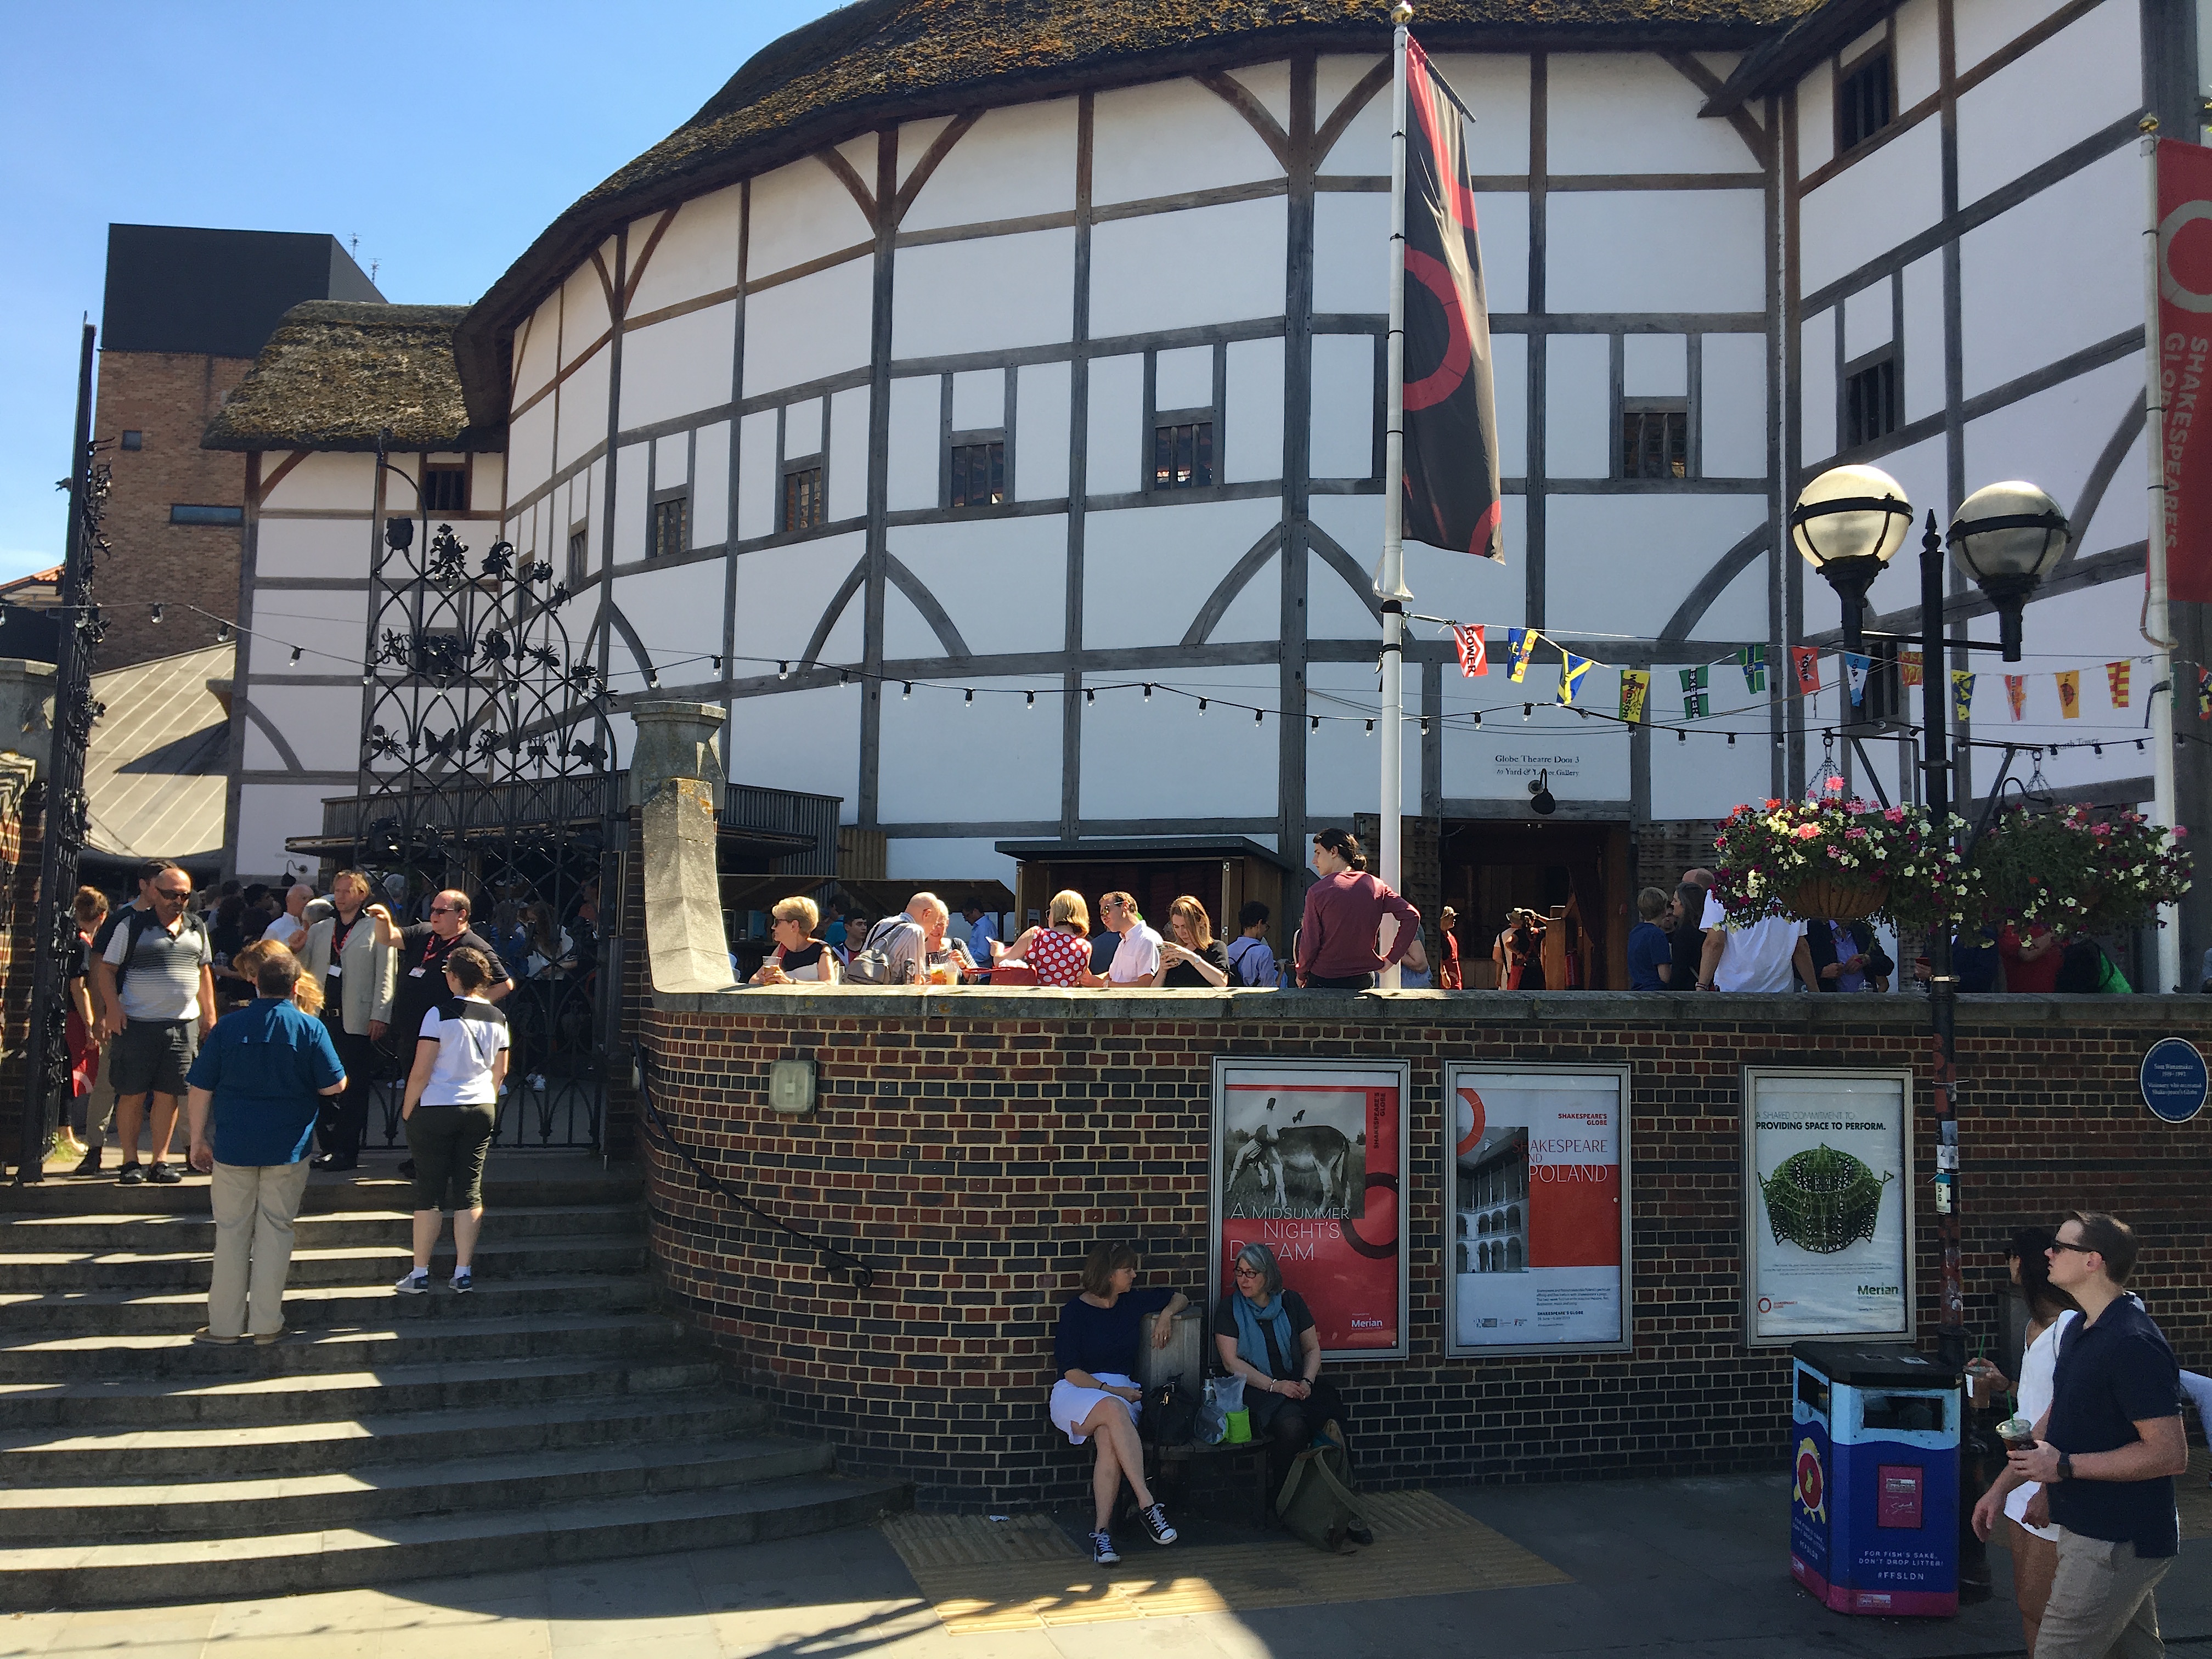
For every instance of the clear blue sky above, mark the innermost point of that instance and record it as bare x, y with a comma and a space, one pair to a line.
444, 136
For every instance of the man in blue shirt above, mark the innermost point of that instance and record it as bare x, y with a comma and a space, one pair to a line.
2106, 1453
982, 932
259, 1078
1651, 952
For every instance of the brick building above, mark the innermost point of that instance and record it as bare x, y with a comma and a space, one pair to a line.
185, 310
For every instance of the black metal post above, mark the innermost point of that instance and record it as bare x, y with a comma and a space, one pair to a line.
46, 1059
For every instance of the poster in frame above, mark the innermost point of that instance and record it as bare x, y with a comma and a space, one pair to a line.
1827, 1204
1536, 1250
1308, 1158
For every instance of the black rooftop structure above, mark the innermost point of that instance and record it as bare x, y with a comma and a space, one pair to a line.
217, 293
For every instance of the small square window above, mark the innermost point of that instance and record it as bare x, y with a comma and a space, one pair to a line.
1862, 102
671, 527
1871, 403
979, 473
445, 488
1655, 439
1182, 453
803, 506
134, 440
580, 553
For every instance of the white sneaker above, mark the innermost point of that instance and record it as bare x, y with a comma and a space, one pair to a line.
464, 1281
416, 1282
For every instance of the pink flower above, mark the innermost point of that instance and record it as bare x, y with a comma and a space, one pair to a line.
1835, 786
1895, 815
1770, 806
1806, 831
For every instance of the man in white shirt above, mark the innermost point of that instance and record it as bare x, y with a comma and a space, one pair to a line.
1768, 955
1136, 956
290, 929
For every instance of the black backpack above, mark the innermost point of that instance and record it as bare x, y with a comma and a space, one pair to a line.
137, 921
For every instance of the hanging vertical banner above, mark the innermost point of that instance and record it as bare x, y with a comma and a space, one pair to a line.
1571, 669
1856, 668
1474, 653
1962, 695
2116, 677
1805, 667
1520, 644
1454, 498
2184, 341
2205, 694
1908, 667
1536, 1176
2017, 694
1695, 704
1635, 688
2069, 694
1307, 1160
1751, 659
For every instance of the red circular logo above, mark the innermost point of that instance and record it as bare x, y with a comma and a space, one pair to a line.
1471, 1119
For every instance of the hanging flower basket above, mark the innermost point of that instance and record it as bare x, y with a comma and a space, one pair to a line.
1821, 859
2075, 871
1835, 898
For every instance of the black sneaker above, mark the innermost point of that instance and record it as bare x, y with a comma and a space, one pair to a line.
1155, 1524
166, 1174
132, 1174
1103, 1553
91, 1164
407, 1168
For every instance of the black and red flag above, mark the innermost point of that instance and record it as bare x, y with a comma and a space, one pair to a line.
1452, 485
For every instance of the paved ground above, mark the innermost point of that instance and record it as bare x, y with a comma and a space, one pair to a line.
1681, 1569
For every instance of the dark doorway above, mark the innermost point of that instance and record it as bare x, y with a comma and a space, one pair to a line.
1576, 874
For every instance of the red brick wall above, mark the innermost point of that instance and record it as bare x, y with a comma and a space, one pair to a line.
975, 1159
23, 817
169, 396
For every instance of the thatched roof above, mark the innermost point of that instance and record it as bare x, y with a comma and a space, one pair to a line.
337, 372
883, 60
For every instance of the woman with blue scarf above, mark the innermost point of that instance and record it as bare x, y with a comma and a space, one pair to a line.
1266, 1335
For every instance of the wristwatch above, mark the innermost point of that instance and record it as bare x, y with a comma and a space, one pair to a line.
2066, 1466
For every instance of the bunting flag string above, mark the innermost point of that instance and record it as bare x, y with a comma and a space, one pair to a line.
1805, 667
2017, 695
1908, 667
1474, 653
1856, 667
2116, 675
1520, 644
2205, 694
2069, 694
1962, 695
1571, 669
1635, 688
1751, 659
1696, 704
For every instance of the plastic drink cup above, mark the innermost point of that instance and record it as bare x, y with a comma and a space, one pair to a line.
1240, 1428
2017, 1433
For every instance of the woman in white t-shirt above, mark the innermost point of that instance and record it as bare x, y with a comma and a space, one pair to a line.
2049, 1311
451, 1112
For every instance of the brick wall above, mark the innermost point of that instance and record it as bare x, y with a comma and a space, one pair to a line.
23, 817
170, 398
974, 1145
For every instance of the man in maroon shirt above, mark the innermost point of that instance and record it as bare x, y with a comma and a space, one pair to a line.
1343, 917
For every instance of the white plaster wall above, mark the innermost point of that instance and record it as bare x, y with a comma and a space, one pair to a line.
674, 367
2059, 272
1270, 87
630, 505
1494, 86
1183, 378
2123, 515
1869, 319
2054, 438
1114, 448
1695, 250
530, 445
935, 858
1588, 760
1013, 164
710, 492
1924, 338
1352, 250
1620, 564
678, 611
1147, 571
267, 814
987, 294
1364, 146
1899, 186
1655, 366
1732, 405
314, 547
1579, 406
780, 595
696, 254
1256, 612
1816, 118
1343, 399
1039, 454
1702, 778
536, 349
1594, 98
979, 399
1983, 27
582, 421
807, 740
1919, 61
847, 467
1816, 383
1002, 582
584, 305
1445, 581
801, 212
1252, 439
757, 479
1508, 375
322, 723
1741, 611
1344, 763
920, 779
344, 481
671, 460
2081, 80
1170, 137
1212, 265
911, 471
2082, 630
1164, 760
804, 433
809, 328
1333, 607
330, 627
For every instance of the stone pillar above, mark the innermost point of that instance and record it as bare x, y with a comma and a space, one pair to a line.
26, 710
676, 788
676, 739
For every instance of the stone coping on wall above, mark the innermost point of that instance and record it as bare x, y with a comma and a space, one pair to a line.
1649, 1008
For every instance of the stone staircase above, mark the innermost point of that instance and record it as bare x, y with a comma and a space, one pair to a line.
553, 1415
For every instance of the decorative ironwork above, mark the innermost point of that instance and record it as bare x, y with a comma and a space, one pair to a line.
486, 766
46, 1061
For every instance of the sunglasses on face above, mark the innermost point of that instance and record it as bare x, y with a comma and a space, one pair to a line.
172, 895
444, 910
2085, 1249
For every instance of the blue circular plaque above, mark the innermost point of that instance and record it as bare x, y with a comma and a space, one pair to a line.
2174, 1080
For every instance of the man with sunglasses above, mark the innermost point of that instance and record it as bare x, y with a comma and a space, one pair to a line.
157, 979
2106, 1453
423, 948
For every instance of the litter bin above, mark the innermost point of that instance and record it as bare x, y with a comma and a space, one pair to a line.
1873, 1509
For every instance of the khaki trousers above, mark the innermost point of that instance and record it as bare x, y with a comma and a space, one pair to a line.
254, 1204
2102, 1601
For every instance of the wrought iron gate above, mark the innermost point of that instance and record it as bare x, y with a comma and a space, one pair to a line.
487, 766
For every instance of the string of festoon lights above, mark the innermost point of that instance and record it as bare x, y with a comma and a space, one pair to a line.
1207, 701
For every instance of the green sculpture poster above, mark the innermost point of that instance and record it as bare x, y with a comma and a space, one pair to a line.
1827, 1203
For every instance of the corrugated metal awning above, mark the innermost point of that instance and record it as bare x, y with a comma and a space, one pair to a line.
159, 760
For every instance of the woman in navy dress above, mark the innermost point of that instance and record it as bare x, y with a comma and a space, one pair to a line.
1096, 1391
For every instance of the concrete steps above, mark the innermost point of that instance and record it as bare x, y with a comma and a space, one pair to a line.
556, 1414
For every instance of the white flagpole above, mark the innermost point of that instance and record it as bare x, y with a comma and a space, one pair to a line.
1390, 580
2156, 618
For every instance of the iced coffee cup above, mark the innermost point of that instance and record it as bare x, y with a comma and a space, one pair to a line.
2017, 1433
